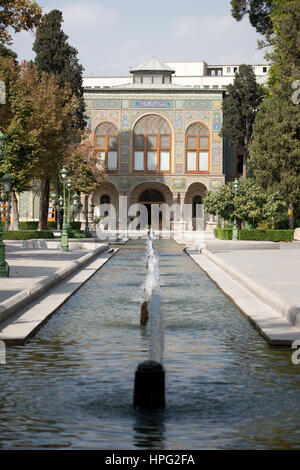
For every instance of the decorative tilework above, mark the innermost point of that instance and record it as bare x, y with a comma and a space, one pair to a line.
125, 103
124, 153
199, 116
125, 120
124, 183
179, 168
178, 184
179, 104
88, 103
179, 154
217, 121
197, 104
152, 103
107, 104
179, 137
217, 104
110, 116
217, 153
124, 167
215, 184
179, 122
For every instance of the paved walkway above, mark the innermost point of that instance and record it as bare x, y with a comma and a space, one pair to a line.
264, 284
28, 266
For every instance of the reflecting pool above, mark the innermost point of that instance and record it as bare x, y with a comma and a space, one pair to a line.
72, 385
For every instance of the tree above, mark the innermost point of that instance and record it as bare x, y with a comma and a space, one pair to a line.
275, 151
285, 54
239, 110
40, 129
54, 55
251, 203
259, 12
18, 15
8, 53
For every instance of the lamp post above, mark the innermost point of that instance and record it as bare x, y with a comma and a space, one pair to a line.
62, 206
87, 212
7, 182
63, 174
235, 229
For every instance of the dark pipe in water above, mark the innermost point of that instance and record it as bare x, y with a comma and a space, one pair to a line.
149, 386
144, 313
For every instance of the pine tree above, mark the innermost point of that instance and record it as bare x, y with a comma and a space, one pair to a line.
239, 110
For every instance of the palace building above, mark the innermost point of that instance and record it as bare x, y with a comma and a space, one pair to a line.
157, 133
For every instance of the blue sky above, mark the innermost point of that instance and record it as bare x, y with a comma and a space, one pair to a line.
112, 37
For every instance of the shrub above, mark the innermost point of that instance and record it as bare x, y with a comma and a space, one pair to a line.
223, 233
26, 234
256, 235
29, 225
267, 235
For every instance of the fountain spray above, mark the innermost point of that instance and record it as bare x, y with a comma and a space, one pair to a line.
149, 387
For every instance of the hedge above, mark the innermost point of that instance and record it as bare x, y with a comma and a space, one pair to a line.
26, 234
33, 225
223, 233
267, 235
256, 235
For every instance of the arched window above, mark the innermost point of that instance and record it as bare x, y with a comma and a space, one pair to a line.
152, 145
105, 199
107, 144
197, 148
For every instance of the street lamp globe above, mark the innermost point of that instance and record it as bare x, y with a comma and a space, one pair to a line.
76, 200
63, 173
7, 182
69, 183
61, 201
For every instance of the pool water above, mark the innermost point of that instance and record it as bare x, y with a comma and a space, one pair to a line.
71, 386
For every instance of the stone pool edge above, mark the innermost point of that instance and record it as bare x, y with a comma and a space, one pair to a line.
26, 319
269, 321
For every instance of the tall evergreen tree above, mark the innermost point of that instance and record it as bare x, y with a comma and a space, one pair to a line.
55, 55
239, 110
275, 151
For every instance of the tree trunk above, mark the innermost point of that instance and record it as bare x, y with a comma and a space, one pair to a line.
15, 223
44, 207
291, 216
245, 159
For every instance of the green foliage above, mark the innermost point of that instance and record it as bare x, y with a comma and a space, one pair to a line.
256, 235
240, 108
7, 53
275, 150
29, 225
251, 203
26, 234
18, 15
223, 233
259, 12
267, 235
285, 53
54, 55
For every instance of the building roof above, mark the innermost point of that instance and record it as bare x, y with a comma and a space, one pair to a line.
150, 86
153, 65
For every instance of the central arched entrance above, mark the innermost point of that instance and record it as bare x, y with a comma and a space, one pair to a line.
150, 197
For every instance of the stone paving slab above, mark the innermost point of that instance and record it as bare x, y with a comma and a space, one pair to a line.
34, 271
262, 307
20, 328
